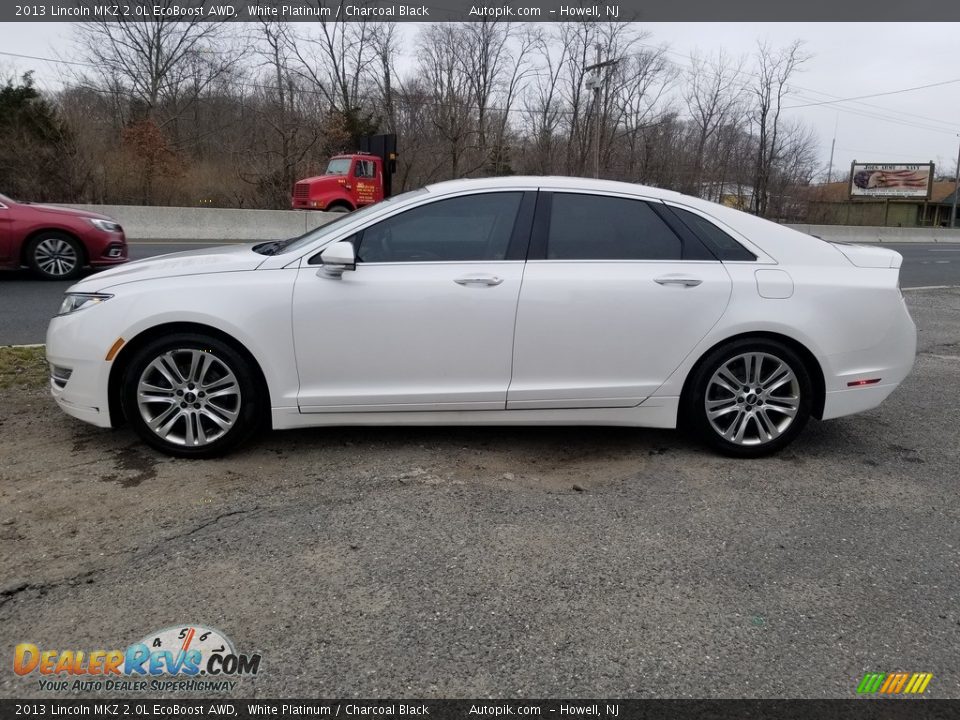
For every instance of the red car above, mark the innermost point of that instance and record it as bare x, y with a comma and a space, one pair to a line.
58, 242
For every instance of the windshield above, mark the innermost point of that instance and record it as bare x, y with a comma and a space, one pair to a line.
338, 166
5, 200
319, 233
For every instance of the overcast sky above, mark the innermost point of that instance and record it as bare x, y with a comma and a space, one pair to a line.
848, 60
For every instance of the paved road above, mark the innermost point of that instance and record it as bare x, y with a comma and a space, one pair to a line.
536, 562
28, 304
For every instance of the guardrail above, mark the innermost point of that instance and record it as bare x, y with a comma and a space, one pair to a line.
141, 222
866, 234
226, 225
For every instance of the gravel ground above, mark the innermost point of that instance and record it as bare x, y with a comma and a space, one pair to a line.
446, 562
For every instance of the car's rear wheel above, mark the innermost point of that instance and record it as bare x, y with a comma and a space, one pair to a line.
749, 398
55, 256
191, 396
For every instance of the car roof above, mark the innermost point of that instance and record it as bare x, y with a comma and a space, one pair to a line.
560, 182
776, 241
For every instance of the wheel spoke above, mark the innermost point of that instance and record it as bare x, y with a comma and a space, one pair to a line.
224, 392
747, 369
190, 436
201, 433
225, 413
168, 368
766, 425
203, 369
168, 399
214, 417
784, 405
164, 422
150, 387
718, 408
726, 374
194, 365
781, 379
221, 381
740, 426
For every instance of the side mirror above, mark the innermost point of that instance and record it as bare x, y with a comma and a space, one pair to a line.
337, 259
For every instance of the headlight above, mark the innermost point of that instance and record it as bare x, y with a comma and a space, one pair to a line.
77, 301
105, 225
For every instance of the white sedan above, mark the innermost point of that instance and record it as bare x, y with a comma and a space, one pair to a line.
503, 301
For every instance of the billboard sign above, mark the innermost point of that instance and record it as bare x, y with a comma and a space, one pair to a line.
891, 181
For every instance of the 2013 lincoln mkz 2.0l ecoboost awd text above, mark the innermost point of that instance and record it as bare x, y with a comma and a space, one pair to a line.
528, 301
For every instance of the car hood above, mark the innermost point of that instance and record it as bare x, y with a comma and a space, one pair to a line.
228, 258
73, 212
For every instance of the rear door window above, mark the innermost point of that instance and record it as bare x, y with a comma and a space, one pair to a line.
600, 227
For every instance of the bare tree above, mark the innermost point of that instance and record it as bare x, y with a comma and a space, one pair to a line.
272, 159
441, 68
713, 92
337, 59
774, 70
543, 106
156, 59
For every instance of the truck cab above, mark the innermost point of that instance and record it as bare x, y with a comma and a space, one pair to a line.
348, 183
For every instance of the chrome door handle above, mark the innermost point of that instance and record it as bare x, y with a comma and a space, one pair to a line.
479, 280
678, 280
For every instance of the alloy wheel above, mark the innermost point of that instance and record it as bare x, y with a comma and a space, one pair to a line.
56, 257
189, 397
752, 398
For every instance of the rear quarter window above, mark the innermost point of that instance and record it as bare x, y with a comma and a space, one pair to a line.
720, 242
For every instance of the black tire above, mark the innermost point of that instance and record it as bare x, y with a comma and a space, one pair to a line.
55, 256
340, 209
219, 368
765, 416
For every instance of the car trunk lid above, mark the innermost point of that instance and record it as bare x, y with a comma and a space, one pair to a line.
869, 256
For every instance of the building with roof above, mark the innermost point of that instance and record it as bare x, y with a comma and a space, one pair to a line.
831, 204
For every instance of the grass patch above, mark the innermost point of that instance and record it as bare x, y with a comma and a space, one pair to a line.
22, 367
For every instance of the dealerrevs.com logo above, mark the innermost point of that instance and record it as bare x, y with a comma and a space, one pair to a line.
894, 683
183, 658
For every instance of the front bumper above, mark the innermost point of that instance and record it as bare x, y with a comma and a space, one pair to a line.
71, 347
109, 250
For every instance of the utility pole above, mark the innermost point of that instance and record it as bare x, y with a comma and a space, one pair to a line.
830, 167
595, 83
956, 191
833, 144
596, 104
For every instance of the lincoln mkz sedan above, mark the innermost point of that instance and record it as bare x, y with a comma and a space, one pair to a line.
508, 301
58, 242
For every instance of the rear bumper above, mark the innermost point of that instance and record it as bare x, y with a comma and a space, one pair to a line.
847, 402
890, 361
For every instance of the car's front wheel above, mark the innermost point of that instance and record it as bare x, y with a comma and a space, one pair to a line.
749, 398
55, 256
191, 396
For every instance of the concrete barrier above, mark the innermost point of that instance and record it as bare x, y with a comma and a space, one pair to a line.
855, 234
213, 224
232, 225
